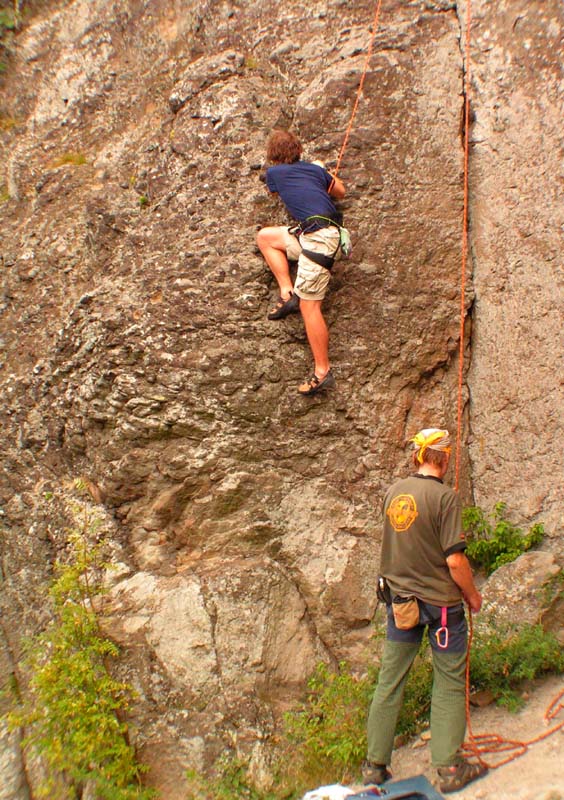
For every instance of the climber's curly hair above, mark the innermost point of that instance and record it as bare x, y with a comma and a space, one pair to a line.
283, 147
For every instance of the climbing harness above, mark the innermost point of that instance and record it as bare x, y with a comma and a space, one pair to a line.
344, 236
317, 220
324, 261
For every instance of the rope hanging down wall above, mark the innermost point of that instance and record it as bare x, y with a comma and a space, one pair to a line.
342, 151
481, 744
360, 86
464, 251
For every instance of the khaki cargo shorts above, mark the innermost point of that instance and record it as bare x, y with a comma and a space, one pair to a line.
312, 279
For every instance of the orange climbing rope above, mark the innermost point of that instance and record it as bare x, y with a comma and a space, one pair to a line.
464, 242
346, 138
479, 745
360, 87
492, 743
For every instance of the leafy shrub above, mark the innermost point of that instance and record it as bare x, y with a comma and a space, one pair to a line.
329, 728
324, 739
504, 656
8, 21
233, 783
73, 713
7, 28
328, 731
493, 541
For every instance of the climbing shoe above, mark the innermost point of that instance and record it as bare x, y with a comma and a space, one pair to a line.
315, 384
285, 307
374, 774
452, 779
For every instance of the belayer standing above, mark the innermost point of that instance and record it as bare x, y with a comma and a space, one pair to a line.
307, 191
424, 577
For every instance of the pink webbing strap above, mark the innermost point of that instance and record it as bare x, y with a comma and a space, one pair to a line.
442, 633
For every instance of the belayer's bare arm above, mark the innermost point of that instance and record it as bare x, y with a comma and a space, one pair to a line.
461, 573
337, 188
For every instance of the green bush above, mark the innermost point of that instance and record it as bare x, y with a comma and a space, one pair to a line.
328, 730
493, 541
232, 783
73, 712
8, 21
324, 739
501, 658
9, 18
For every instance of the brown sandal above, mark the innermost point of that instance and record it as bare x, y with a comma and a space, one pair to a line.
374, 774
285, 307
315, 384
452, 779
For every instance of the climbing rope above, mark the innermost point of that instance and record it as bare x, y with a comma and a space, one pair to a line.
346, 138
478, 746
464, 241
481, 744
360, 87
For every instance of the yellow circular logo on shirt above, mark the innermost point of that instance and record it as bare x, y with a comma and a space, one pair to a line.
402, 512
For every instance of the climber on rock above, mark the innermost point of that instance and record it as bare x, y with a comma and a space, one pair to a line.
307, 190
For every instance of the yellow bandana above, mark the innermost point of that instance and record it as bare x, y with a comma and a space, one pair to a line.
431, 439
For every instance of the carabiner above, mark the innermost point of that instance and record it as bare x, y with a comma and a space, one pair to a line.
443, 630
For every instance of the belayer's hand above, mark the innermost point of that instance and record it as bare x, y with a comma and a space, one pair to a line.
474, 601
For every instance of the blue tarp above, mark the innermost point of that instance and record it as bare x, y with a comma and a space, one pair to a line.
417, 788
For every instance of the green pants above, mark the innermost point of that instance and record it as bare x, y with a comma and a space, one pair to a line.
448, 709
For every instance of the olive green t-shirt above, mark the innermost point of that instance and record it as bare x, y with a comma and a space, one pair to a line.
422, 526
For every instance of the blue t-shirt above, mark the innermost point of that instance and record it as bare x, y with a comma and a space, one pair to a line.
303, 189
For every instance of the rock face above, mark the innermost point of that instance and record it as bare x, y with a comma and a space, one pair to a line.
515, 591
515, 382
136, 352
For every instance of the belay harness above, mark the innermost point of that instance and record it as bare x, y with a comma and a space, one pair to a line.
385, 596
344, 244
